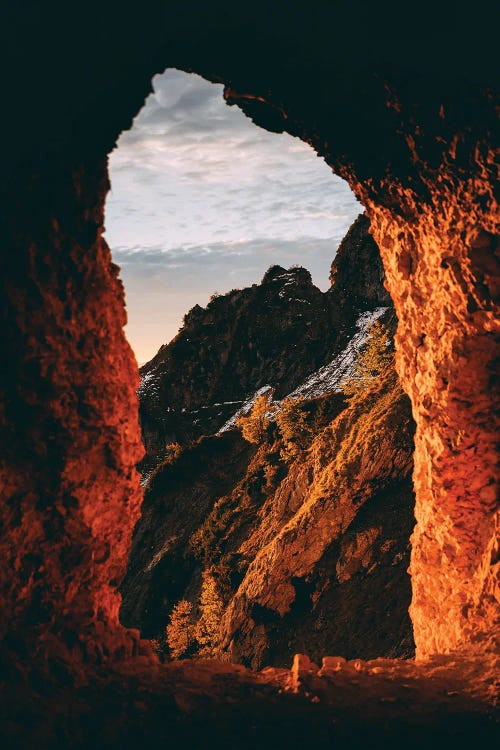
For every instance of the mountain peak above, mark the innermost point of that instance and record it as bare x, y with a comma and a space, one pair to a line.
356, 271
295, 274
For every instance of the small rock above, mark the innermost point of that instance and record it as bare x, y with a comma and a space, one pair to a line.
302, 666
332, 664
357, 664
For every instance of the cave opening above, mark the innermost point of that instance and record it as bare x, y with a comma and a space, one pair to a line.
203, 199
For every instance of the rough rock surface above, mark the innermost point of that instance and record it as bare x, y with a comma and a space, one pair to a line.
309, 552
67, 397
330, 549
447, 359
274, 333
382, 704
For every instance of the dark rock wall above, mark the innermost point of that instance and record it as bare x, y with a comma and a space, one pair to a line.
177, 500
357, 272
275, 333
68, 399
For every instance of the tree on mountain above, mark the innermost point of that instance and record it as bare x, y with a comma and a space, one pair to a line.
211, 611
293, 426
254, 425
172, 452
180, 630
375, 357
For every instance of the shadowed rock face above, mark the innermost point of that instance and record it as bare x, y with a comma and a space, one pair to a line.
310, 552
275, 333
400, 111
357, 272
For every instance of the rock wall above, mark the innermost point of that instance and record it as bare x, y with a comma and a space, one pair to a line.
441, 275
69, 435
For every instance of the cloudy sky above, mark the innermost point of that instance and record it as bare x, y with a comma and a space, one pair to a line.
202, 200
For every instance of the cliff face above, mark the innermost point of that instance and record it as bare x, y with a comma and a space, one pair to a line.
275, 333
357, 275
309, 547
177, 501
329, 549
312, 551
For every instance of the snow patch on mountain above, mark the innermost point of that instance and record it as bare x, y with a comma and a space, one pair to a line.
325, 380
150, 385
328, 378
246, 408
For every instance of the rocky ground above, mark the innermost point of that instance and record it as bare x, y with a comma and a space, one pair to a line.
447, 702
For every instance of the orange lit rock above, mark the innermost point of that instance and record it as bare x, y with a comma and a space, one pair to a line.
70, 439
331, 664
441, 276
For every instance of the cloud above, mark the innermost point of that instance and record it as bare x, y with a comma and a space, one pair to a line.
203, 199
194, 265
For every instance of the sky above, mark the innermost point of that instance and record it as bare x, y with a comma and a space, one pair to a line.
202, 200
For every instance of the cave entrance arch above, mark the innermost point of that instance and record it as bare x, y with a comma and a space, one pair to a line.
187, 140
424, 171
195, 184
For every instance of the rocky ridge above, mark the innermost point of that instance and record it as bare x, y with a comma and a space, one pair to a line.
276, 333
314, 543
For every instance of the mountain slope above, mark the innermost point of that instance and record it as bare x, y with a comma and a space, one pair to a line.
330, 549
275, 333
303, 550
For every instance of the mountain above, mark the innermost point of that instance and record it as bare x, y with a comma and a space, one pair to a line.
301, 535
275, 333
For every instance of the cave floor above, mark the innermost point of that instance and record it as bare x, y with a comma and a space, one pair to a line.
203, 704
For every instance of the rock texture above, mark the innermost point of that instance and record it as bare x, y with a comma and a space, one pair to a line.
447, 361
380, 704
275, 333
308, 551
67, 397
406, 112
329, 552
